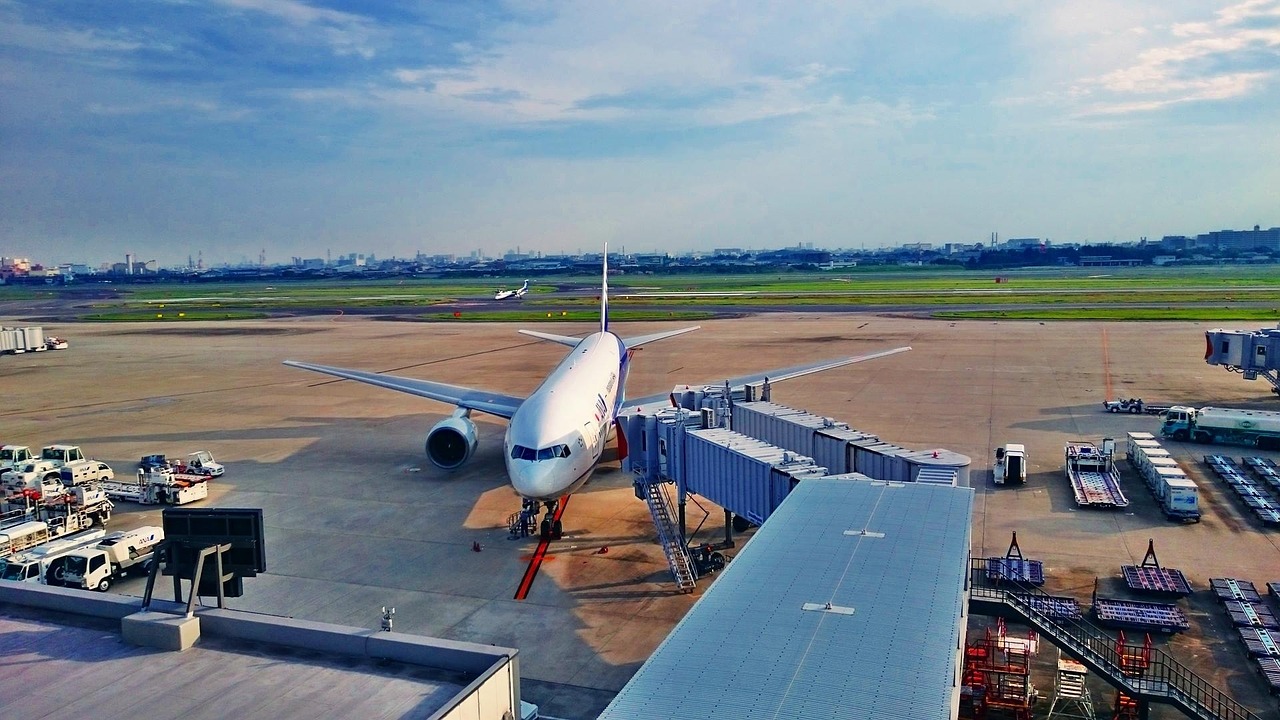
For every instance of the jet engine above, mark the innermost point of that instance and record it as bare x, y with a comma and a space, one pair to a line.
452, 441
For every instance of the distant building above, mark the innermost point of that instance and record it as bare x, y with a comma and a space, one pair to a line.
1254, 239
1176, 243
1023, 243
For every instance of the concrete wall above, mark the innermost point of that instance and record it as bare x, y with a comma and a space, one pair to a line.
493, 690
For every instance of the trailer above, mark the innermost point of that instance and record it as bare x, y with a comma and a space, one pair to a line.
1138, 615
1150, 577
1251, 428
158, 487
1095, 481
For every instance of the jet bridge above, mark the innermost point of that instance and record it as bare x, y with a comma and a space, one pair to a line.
747, 455
1252, 353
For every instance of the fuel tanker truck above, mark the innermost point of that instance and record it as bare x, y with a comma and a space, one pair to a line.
1252, 428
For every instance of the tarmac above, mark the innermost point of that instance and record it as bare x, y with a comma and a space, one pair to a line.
359, 519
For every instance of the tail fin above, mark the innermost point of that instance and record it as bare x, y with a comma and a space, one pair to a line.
604, 292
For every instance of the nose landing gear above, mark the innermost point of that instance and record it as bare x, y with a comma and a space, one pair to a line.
551, 528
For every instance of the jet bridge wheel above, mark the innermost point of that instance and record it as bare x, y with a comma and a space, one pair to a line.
740, 524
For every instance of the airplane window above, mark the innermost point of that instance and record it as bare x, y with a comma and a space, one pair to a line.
564, 451
546, 453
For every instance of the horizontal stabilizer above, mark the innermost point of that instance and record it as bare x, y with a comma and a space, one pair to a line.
562, 339
503, 406
642, 339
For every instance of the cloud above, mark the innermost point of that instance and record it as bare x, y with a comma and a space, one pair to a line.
345, 33
1229, 57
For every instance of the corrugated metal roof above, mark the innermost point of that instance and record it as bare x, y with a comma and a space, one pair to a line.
748, 648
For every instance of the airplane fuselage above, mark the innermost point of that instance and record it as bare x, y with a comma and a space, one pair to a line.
556, 437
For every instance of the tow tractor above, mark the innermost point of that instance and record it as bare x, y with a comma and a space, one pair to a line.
1134, 406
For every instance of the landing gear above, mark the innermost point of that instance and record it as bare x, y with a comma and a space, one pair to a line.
550, 528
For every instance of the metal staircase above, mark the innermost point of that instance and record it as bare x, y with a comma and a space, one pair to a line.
669, 536
1163, 680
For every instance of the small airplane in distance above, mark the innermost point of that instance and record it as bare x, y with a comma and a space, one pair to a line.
517, 293
556, 435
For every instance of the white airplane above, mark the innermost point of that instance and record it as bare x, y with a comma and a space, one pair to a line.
517, 293
556, 435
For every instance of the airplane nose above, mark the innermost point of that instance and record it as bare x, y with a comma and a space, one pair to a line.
533, 479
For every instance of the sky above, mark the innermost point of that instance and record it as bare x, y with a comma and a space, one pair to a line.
229, 128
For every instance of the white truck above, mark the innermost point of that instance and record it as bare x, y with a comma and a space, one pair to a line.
158, 487
1253, 428
97, 567
32, 478
46, 563
85, 472
61, 455
1011, 464
12, 456
201, 462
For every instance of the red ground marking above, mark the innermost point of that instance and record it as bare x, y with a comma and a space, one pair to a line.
539, 555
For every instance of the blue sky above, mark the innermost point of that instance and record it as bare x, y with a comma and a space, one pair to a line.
171, 127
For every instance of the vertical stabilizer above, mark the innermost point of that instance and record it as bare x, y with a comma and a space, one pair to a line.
604, 292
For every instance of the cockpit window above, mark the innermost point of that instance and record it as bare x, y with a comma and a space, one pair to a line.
520, 452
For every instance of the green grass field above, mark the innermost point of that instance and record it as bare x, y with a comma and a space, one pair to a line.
1172, 293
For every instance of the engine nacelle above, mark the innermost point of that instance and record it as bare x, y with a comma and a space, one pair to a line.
452, 441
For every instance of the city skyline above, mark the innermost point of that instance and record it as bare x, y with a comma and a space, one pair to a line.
168, 129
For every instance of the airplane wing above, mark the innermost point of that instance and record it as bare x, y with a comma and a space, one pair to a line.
503, 406
778, 375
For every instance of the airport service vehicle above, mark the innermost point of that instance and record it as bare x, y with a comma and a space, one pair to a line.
1095, 481
32, 477
1134, 406
201, 462
12, 456
1253, 428
556, 435
159, 487
55, 343
1011, 464
61, 455
97, 567
1178, 495
153, 462
85, 472
517, 293
21, 537
45, 563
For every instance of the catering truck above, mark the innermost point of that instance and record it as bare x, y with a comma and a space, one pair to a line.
97, 567
1252, 428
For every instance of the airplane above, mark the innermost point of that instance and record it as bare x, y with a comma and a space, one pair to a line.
517, 293
556, 435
